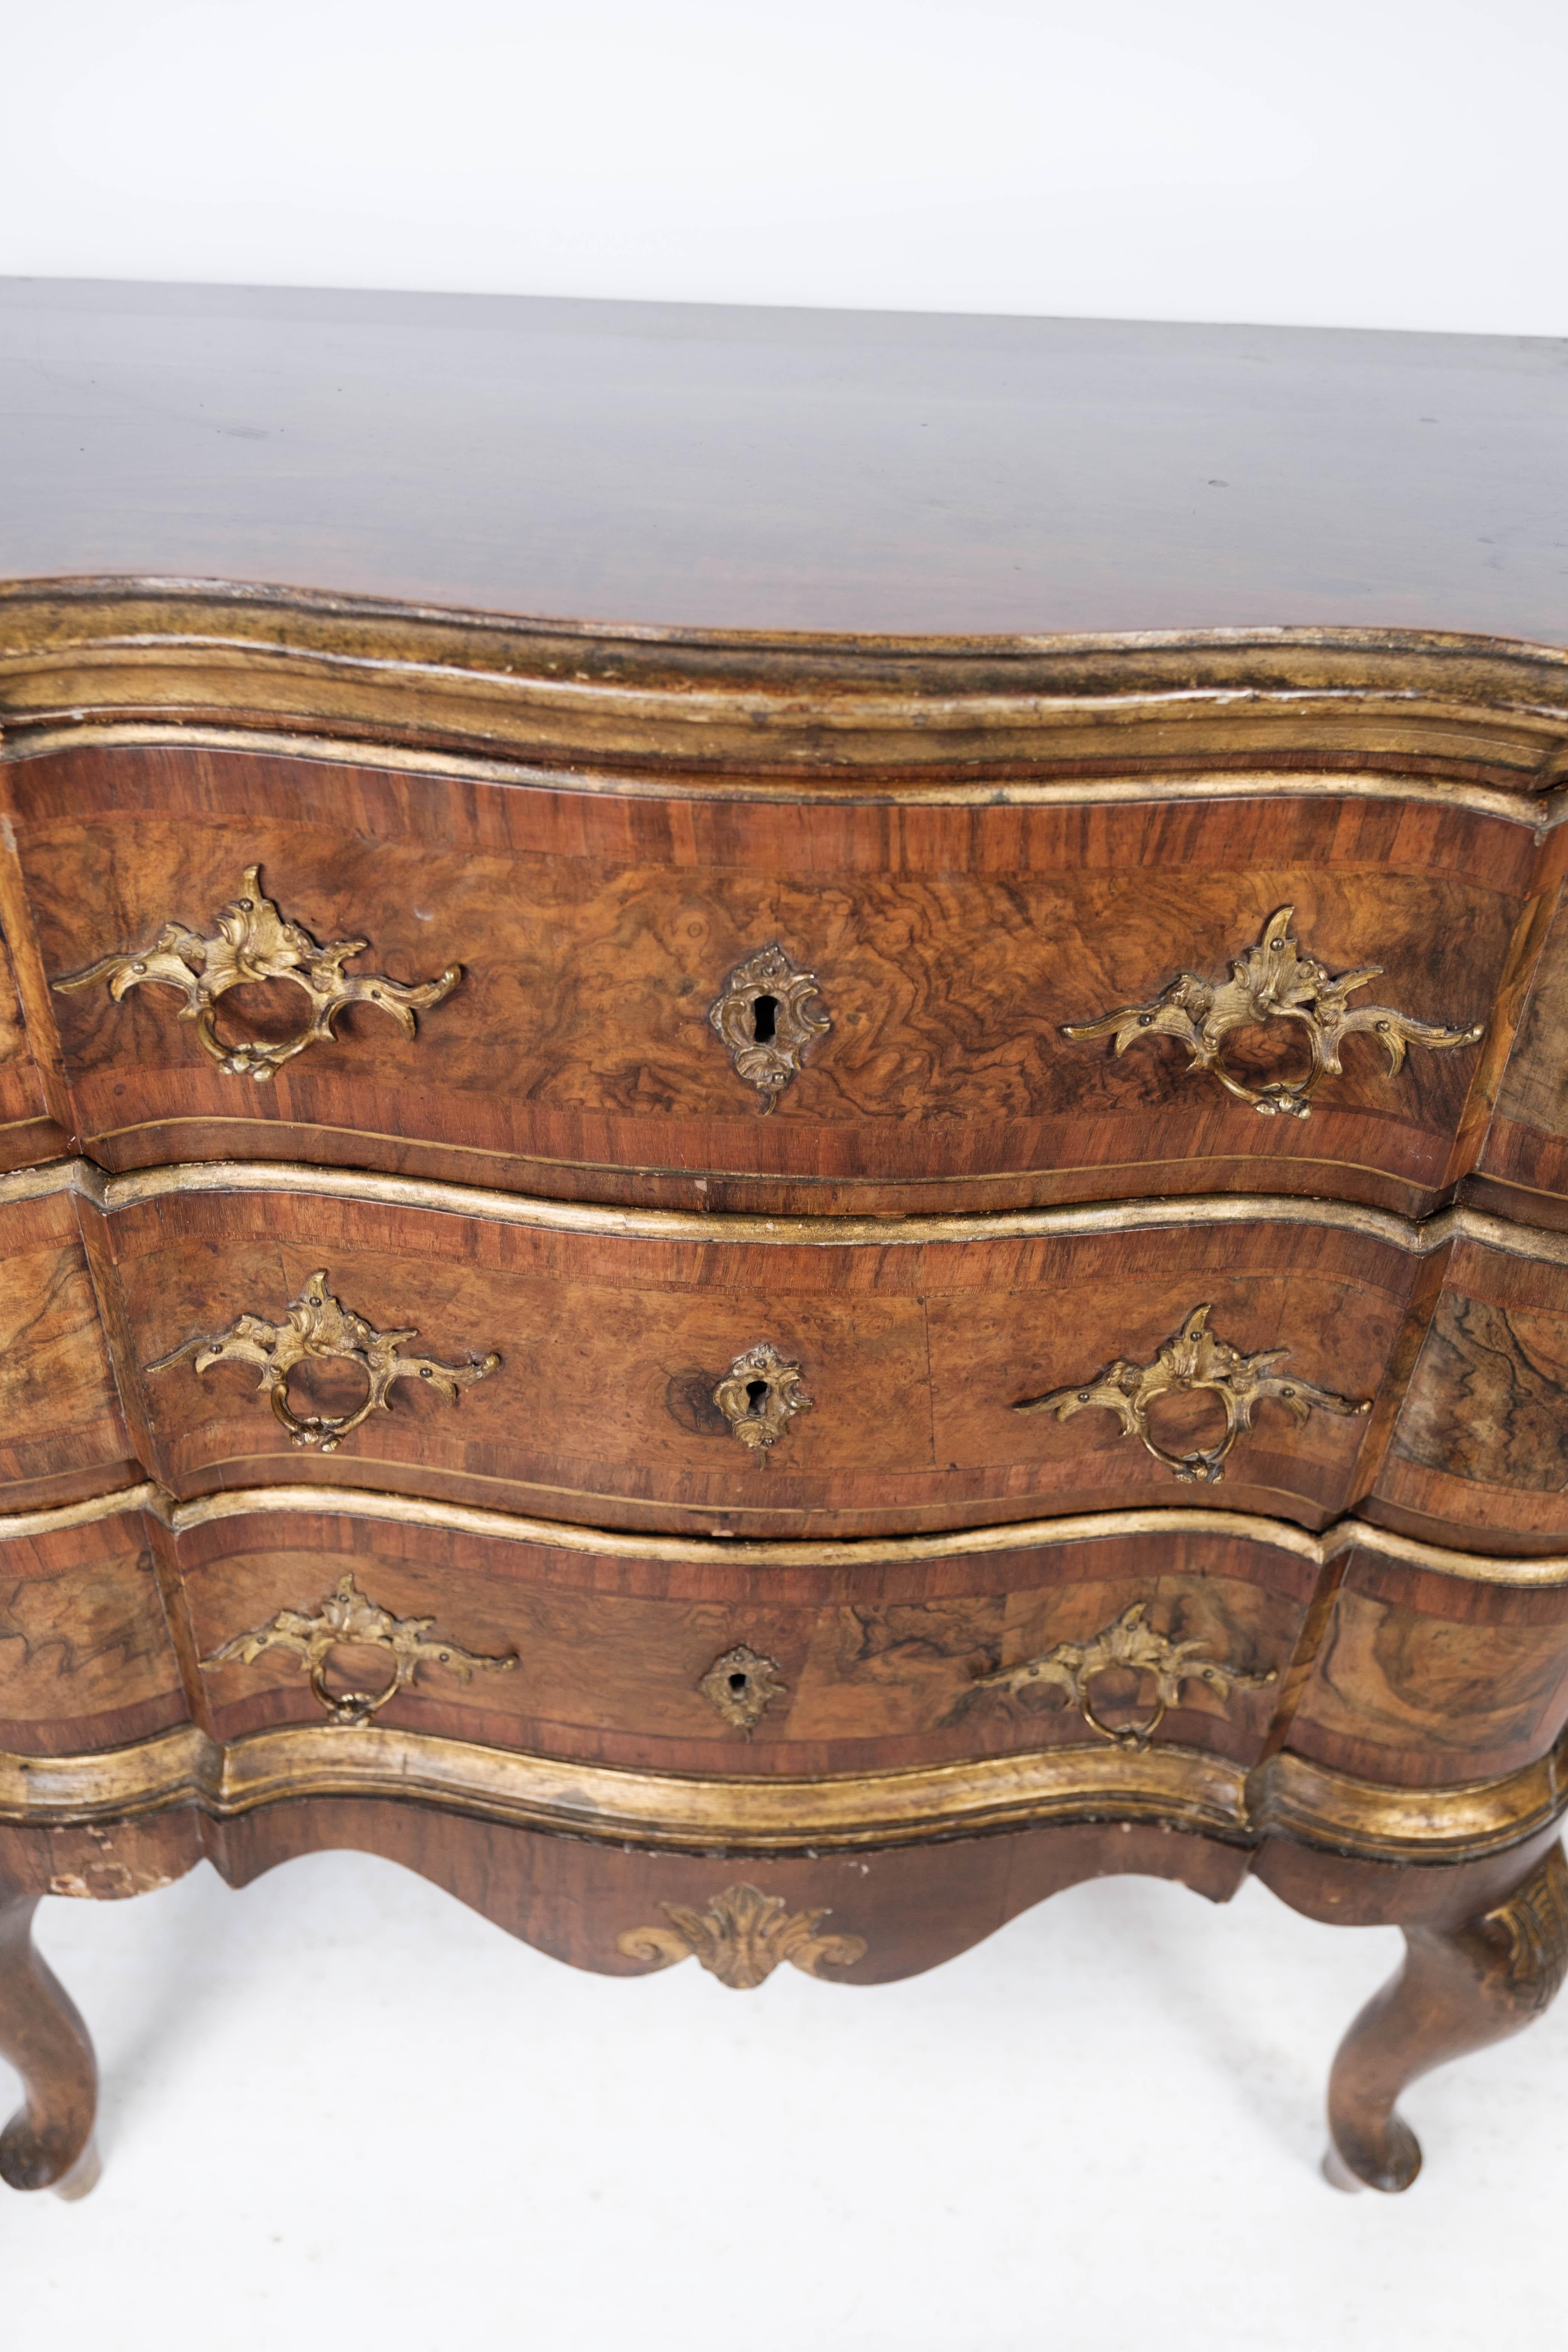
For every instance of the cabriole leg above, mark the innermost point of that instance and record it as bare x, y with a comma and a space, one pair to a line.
47, 2144
1460, 1987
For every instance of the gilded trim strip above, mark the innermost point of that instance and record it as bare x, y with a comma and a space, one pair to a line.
765, 1552
792, 700
1540, 814
1181, 1785
148, 1496
109, 1195
1292, 1797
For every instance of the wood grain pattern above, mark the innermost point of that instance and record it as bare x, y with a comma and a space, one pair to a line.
784, 469
61, 1434
1523, 1164
86, 1659
879, 1664
1422, 1678
27, 1133
952, 944
1481, 1444
611, 1345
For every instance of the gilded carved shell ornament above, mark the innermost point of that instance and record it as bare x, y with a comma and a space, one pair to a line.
741, 1939
1274, 980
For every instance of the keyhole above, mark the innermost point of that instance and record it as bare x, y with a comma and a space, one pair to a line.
756, 1395
739, 1684
764, 1018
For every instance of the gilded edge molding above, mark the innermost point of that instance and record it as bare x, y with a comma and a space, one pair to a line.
75, 651
1543, 1572
110, 1195
1180, 1787
1540, 811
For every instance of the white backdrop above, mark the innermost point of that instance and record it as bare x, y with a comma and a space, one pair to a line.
1345, 162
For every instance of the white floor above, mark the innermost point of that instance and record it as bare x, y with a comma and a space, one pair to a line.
340, 2107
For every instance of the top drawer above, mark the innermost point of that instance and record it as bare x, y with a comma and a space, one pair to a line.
797, 996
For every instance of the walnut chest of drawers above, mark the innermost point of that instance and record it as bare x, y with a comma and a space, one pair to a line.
874, 1219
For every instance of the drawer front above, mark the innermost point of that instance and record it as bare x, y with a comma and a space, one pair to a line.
86, 1658
27, 1133
693, 1665
1522, 1168
752, 1378
927, 963
1426, 1679
1480, 1451
61, 1435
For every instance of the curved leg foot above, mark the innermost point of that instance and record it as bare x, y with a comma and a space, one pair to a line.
1460, 1987
47, 2144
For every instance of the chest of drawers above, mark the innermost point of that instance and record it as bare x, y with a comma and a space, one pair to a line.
758, 1275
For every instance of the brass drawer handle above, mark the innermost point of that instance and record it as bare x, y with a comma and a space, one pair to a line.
763, 1018
1195, 1359
760, 1395
1272, 982
348, 1616
251, 942
319, 1326
1127, 1645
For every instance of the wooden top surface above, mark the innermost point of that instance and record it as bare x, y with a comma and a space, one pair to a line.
694, 467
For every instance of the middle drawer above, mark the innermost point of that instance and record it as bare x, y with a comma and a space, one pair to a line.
736, 1376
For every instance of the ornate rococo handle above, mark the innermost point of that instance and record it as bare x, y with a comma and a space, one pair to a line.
252, 941
1195, 1359
1272, 982
319, 1326
1127, 1645
349, 1617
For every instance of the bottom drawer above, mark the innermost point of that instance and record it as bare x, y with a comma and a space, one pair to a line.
1360, 1651
686, 1654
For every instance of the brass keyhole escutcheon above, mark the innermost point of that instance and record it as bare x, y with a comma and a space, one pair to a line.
760, 1395
767, 1019
740, 1686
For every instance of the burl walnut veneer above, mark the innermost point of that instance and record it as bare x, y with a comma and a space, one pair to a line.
874, 1219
